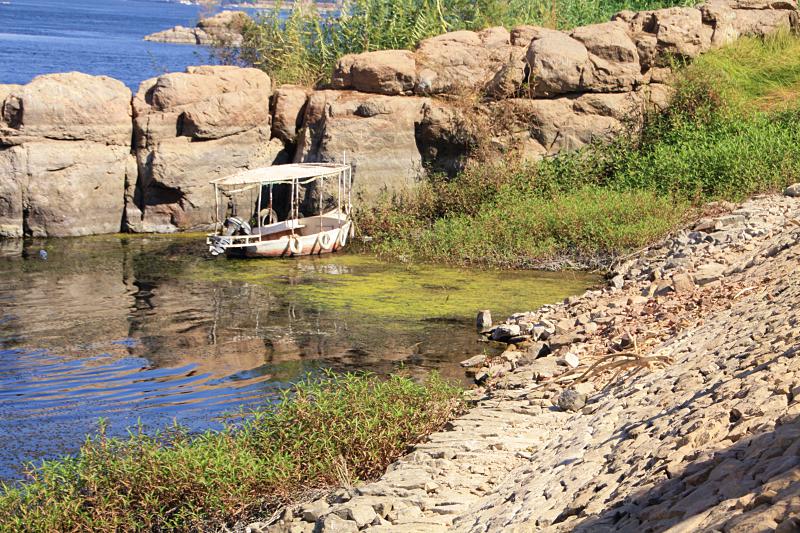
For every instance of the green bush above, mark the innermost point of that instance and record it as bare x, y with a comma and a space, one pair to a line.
325, 432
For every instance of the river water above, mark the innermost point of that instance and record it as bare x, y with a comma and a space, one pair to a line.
93, 36
151, 330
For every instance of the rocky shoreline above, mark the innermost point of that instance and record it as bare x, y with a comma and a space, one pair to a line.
223, 29
669, 399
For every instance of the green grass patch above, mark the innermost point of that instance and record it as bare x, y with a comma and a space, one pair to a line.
718, 141
325, 432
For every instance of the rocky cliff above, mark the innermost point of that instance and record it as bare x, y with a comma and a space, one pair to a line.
70, 140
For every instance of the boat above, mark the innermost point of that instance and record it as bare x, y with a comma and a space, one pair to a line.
263, 234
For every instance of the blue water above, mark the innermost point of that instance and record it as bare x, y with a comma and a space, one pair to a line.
93, 36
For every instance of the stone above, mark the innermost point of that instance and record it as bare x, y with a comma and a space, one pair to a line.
190, 128
477, 360
618, 281
64, 155
682, 283
335, 524
572, 360
613, 56
377, 134
461, 61
483, 320
315, 510
288, 107
361, 514
557, 63
392, 72
505, 331
571, 400
67, 107
709, 273
222, 29
792, 190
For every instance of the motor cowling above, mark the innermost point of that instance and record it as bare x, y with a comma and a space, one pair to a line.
236, 226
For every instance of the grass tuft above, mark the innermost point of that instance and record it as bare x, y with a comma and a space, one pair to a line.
339, 429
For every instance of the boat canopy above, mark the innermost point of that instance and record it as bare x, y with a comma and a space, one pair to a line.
282, 174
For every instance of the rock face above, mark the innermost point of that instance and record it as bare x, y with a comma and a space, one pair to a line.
375, 133
224, 28
64, 155
190, 128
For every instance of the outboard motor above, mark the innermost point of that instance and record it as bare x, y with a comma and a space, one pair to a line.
237, 226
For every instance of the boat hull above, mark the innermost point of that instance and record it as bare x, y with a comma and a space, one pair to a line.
308, 245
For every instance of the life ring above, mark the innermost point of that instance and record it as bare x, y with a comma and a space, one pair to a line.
326, 240
342, 237
295, 246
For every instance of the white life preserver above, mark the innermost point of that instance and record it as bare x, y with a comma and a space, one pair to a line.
342, 237
326, 241
295, 246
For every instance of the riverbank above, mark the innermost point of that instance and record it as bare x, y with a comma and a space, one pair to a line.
683, 408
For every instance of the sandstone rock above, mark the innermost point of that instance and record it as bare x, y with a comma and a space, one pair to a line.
335, 524
613, 55
190, 128
557, 63
71, 106
224, 28
682, 283
376, 133
618, 281
361, 514
390, 72
569, 123
461, 61
179, 35
315, 510
477, 360
708, 273
571, 400
680, 31
288, 107
67, 155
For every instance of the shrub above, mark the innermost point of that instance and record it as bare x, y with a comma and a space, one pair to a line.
340, 428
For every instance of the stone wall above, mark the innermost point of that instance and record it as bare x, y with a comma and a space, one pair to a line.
79, 156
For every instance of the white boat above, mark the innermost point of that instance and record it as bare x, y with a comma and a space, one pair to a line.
265, 236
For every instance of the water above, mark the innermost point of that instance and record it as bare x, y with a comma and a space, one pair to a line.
93, 36
147, 329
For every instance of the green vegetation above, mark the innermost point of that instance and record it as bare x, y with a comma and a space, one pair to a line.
303, 44
325, 432
731, 131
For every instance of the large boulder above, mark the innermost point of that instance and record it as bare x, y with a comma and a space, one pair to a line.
382, 72
568, 123
375, 133
70, 106
64, 155
613, 56
558, 63
461, 61
190, 128
225, 28
288, 107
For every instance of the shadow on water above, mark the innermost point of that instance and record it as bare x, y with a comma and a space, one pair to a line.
147, 328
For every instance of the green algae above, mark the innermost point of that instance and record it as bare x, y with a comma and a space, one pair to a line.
364, 285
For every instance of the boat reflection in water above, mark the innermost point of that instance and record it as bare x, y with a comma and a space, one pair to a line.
146, 328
